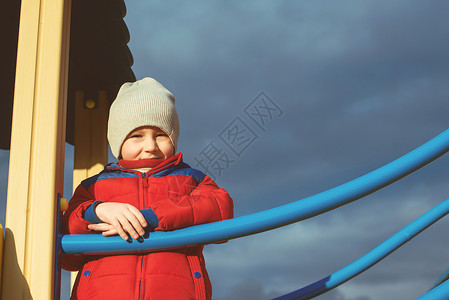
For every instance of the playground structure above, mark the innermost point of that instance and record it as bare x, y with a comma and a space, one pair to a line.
54, 93
55, 103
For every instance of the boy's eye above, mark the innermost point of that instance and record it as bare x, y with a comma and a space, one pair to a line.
136, 136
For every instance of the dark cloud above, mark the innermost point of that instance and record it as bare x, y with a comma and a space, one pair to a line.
248, 290
360, 84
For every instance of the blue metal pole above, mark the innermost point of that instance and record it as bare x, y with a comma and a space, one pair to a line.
57, 266
441, 292
372, 257
268, 219
443, 277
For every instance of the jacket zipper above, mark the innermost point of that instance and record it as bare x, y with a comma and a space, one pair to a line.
145, 187
144, 190
140, 280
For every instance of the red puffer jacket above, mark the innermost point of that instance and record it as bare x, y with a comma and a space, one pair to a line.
181, 197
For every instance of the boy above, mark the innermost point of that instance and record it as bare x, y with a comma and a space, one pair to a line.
150, 188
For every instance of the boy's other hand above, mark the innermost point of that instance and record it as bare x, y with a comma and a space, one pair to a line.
121, 219
105, 229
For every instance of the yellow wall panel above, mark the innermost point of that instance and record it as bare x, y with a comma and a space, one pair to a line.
37, 149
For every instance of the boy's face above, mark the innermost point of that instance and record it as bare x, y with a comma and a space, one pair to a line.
147, 142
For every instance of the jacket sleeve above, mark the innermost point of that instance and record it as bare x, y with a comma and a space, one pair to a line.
73, 219
204, 203
74, 223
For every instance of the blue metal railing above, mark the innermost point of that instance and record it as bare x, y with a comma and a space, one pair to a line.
440, 292
268, 219
374, 256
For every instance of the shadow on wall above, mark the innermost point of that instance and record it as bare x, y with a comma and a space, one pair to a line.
14, 274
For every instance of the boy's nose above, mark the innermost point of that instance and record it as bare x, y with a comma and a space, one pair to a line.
151, 145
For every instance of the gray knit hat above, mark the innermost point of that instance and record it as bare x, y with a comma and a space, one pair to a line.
145, 102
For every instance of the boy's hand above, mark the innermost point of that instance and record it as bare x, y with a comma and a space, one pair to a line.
121, 219
105, 228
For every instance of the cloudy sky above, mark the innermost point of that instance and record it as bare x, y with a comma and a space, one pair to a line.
348, 87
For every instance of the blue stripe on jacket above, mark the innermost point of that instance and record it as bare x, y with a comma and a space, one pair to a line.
113, 171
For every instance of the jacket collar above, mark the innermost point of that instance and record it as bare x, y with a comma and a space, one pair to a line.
127, 165
169, 162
